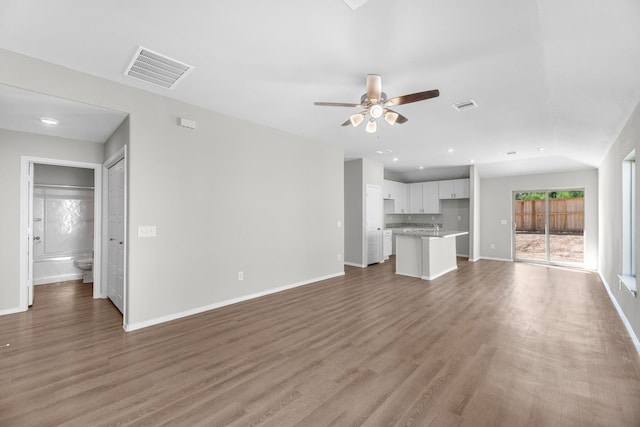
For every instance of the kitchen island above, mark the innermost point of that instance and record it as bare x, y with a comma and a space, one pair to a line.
426, 254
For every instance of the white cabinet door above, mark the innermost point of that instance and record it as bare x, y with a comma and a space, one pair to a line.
430, 197
454, 189
401, 197
445, 189
415, 198
115, 257
461, 188
388, 189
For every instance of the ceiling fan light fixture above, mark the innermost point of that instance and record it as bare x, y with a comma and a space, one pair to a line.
356, 119
372, 126
391, 117
376, 111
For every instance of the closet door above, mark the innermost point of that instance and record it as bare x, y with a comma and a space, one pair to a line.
115, 275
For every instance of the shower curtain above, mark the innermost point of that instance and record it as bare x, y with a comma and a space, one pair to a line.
63, 231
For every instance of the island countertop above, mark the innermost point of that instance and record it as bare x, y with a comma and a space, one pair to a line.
430, 233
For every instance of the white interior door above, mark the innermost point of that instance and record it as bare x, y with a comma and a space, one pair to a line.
116, 231
374, 224
30, 235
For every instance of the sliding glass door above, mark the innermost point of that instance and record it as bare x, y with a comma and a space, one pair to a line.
548, 226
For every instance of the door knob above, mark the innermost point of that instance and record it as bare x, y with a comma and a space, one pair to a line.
36, 238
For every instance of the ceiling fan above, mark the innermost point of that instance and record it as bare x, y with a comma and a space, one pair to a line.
375, 104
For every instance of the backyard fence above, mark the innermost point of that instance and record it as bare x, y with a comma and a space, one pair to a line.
565, 215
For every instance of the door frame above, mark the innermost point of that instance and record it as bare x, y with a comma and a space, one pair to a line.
26, 200
547, 259
121, 154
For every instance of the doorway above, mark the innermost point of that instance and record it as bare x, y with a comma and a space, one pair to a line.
27, 236
548, 226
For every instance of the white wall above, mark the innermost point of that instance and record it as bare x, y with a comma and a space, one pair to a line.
610, 183
229, 196
62, 175
496, 205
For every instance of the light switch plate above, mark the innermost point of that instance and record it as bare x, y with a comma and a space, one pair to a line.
503, 221
147, 231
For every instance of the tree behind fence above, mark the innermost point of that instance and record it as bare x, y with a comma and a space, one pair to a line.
565, 215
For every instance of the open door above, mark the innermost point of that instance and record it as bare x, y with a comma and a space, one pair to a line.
374, 224
30, 236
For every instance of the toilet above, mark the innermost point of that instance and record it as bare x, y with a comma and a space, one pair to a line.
86, 265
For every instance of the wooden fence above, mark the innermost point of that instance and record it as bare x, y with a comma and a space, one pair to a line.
565, 215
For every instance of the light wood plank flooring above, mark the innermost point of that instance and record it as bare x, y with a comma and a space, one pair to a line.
492, 344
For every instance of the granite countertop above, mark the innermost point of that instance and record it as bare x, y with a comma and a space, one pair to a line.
430, 233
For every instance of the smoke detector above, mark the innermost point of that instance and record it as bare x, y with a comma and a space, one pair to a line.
469, 104
157, 69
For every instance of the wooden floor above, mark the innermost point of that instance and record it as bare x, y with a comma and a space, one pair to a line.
492, 344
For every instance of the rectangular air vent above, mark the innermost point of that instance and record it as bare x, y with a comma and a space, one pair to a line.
466, 105
157, 69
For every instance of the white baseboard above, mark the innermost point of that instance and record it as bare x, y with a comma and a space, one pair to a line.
475, 259
435, 276
494, 259
11, 311
191, 312
56, 279
627, 325
352, 264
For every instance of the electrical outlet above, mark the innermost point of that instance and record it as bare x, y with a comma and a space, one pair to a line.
339, 257
339, 224
493, 246
240, 275
147, 231
503, 221
459, 217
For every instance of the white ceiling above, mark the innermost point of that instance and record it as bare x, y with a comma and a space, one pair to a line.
564, 75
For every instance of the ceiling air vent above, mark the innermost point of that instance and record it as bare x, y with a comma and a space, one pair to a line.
465, 105
157, 69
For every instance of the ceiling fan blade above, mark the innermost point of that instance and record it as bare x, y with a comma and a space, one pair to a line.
347, 123
336, 104
414, 97
374, 88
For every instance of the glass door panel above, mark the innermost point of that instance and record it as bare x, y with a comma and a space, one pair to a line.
530, 226
566, 227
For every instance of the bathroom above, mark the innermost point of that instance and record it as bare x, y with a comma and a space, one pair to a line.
63, 213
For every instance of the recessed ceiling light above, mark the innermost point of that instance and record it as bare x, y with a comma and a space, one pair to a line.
49, 121
542, 148
395, 159
511, 153
421, 167
449, 150
380, 152
472, 161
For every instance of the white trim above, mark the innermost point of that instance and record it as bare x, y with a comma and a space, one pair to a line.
475, 259
624, 319
630, 283
25, 161
353, 264
494, 259
55, 279
191, 312
12, 311
435, 276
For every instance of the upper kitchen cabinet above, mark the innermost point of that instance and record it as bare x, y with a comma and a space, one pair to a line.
454, 189
423, 197
401, 197
388, 189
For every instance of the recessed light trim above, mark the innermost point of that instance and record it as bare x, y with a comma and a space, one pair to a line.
49, 121
421, 167
542, 148
450, 150
395, 159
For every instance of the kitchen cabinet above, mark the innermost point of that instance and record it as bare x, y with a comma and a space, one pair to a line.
454, 189
431, 197
424, 197
401, 198
388, 189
